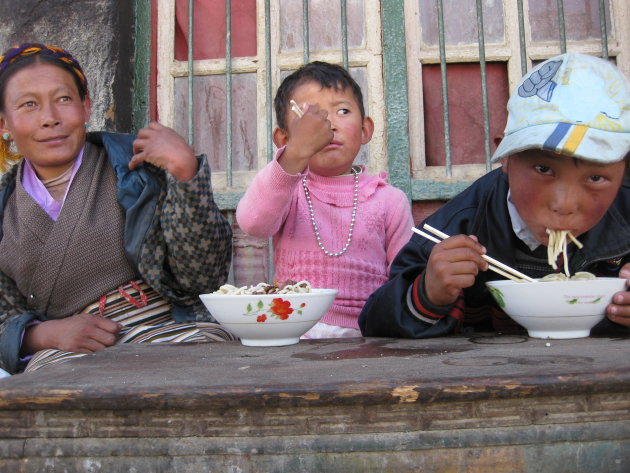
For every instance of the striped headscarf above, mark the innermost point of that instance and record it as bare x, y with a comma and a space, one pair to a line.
28, 49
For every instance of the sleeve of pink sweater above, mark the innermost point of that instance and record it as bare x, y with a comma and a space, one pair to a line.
399, 223
267, 201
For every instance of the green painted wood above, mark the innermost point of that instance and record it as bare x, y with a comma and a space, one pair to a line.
142, 64
396, 96
227, 200
191, 60
420, 189
424, 189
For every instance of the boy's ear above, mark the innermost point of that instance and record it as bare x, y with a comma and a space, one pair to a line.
367, 130
505, 164
280, 137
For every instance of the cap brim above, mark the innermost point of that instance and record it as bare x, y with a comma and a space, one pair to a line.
596, 145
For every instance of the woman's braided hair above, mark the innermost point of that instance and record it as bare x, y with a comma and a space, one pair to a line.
16, 58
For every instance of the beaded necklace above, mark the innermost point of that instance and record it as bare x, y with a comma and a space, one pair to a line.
355, 204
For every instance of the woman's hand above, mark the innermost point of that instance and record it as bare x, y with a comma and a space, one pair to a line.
619, 310
453, 265
164, 148
306, 136
80, 333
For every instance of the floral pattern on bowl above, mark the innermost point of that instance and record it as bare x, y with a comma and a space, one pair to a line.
278, 308
582, 299
498, 296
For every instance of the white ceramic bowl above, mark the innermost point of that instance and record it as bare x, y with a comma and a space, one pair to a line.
267, 320
556, 309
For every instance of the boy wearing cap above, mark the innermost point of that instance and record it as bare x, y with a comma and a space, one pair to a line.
563, 161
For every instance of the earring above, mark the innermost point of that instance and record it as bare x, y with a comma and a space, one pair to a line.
6, 136
87, 126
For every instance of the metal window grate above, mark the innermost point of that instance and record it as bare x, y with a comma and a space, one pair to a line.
395, 79
394, 73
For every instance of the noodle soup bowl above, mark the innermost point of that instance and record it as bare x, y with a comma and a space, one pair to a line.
556, 309
267, 320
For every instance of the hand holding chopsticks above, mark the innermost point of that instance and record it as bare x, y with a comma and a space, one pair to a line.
495, 265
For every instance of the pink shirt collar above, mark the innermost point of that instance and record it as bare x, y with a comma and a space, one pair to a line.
34, 187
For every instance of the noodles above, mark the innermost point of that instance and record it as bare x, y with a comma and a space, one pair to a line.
554, 277
289, 287
558, 244
579, 276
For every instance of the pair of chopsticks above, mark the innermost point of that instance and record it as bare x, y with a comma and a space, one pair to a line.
496, 266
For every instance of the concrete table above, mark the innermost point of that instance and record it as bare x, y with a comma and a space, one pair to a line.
499, 403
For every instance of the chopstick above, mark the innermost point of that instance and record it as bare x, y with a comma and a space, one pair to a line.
296, 108
496, 266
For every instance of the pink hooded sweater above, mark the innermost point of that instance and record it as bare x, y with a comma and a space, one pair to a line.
275, 205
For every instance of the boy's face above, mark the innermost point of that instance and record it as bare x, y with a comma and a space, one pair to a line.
559, 192
350, 131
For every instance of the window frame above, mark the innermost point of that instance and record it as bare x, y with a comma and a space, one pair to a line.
392, 55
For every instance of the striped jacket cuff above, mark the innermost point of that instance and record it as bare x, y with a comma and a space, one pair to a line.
424, 310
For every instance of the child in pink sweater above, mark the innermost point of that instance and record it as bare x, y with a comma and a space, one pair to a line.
332, 223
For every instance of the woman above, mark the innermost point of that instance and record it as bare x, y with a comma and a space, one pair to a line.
101, 234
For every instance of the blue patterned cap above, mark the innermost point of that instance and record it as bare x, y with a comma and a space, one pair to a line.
573, 104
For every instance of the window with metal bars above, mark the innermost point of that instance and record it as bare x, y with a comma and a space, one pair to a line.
436, 76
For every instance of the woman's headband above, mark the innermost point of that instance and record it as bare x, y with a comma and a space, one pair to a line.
28, 49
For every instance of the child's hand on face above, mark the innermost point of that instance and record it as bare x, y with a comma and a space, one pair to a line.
453, 265
307, 136
619, 310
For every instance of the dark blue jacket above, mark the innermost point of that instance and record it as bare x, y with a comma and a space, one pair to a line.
481, 210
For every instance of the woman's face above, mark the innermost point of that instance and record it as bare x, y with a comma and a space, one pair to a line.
45, 117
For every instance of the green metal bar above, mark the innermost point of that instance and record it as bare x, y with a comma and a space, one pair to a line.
268, 93
484, 84
563, 36
445, 115
344, 34
521, 36
228, 119
268, 114
396, 96
230, 278
228, 91
603, 28
305, 31
142, 64
191, 40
